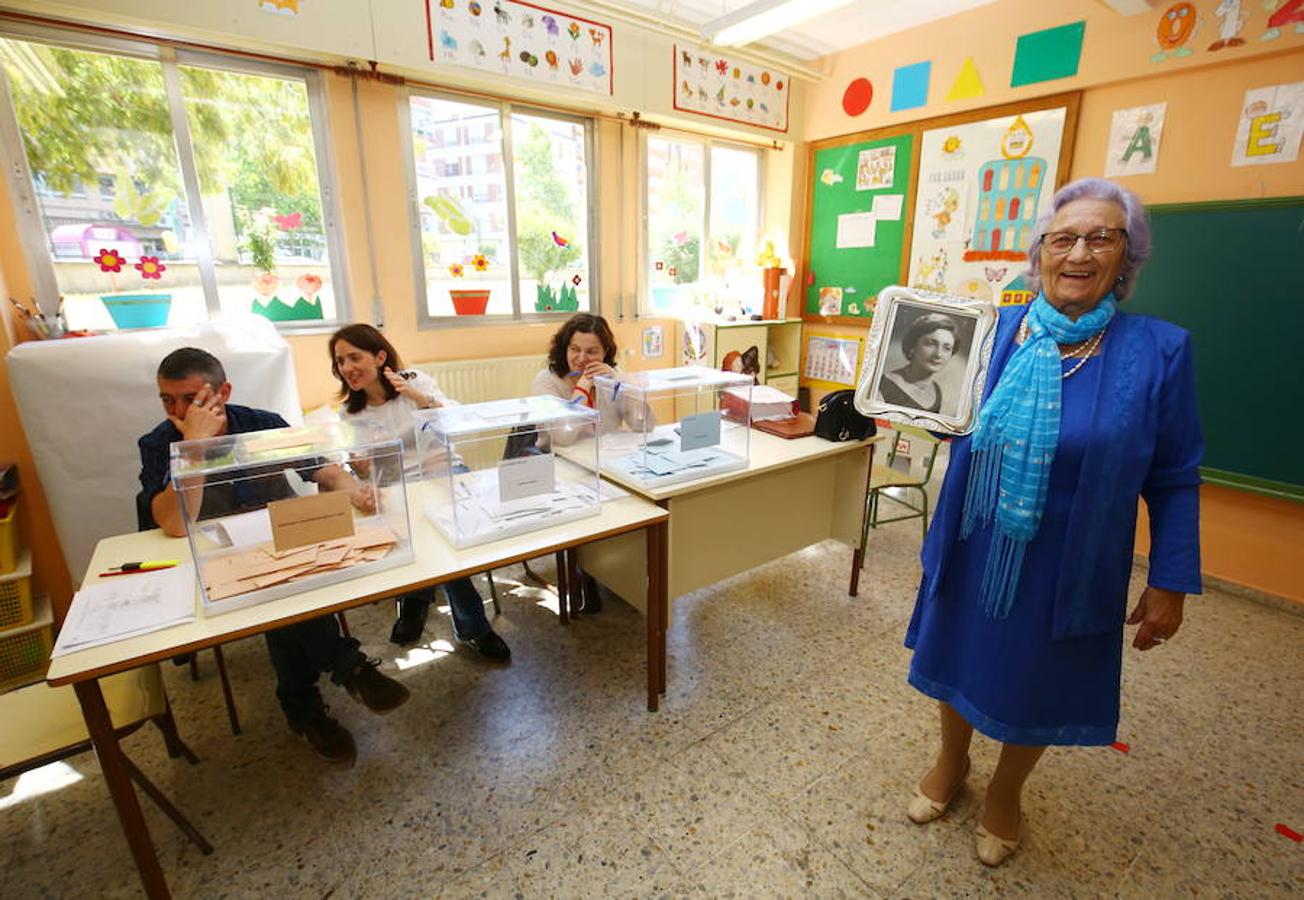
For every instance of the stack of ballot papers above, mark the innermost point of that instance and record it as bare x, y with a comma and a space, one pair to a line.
263, 566
767, 403
111, 609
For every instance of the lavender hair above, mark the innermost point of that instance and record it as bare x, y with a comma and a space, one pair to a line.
1138, 227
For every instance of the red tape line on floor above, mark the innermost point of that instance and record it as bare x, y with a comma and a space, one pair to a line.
1289, 832
1121, 747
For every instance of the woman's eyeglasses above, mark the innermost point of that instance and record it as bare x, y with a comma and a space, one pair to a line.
1061, 243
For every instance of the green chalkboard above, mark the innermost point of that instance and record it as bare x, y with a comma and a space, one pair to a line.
846, 179
1233, 275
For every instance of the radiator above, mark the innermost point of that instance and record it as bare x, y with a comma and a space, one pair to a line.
477, 380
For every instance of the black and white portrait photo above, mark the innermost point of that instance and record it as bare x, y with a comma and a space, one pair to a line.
920, 363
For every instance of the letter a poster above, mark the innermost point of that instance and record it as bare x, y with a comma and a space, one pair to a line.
1272, 119
1134, 140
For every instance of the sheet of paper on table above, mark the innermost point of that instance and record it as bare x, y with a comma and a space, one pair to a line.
110, 609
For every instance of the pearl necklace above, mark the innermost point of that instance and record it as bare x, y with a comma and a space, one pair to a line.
1082, 352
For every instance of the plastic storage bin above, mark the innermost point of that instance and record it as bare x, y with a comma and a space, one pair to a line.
25, 651
9, 540
676, 424
16, 594
506, 467
260, 528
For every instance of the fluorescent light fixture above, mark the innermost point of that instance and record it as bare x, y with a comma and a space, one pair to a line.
764, 17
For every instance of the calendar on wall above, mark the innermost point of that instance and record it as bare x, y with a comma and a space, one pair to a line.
833, 361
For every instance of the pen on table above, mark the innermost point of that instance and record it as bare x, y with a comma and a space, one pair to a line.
148, 565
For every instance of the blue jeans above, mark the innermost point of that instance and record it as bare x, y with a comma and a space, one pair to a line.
302, 651
469, 620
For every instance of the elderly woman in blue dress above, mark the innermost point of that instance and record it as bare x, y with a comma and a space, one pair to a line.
1018, 626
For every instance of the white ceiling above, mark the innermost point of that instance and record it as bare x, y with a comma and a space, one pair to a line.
854, 24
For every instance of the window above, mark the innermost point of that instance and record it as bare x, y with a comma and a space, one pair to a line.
501, 226
206, 191
703, 223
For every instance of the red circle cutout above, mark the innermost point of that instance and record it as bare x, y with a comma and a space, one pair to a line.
857, 97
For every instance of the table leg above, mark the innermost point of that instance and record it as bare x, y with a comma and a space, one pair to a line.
858, 557
116, 770
563, 602
573, 580
657, 613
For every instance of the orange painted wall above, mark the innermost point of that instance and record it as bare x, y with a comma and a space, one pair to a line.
1246, 539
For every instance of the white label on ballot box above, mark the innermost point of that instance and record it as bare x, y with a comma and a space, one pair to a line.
701, 430
526, 476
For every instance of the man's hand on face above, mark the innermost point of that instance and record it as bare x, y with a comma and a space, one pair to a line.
205, 417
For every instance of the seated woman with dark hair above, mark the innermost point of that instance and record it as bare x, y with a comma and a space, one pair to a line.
928, 345
581, 350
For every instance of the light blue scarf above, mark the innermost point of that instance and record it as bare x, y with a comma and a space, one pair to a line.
1014, 444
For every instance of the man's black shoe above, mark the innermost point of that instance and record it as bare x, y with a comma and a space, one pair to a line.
328, 737
491, 646
411, 621
379, 693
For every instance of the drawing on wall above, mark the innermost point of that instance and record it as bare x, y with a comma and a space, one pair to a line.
828, 178
1231, 19
1283, 13
1134, 136
720, 87
521, 40
694, 349
982, 186
1176, 26
830, 301
876, 168
281, 7
653, 345
1272, 120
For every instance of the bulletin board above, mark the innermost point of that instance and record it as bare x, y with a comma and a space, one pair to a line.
1003, 140
858, 232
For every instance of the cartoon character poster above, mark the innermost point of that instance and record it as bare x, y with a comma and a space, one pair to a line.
524, 41
711, 84
982, 186
876, 168
1272, 119
1134, 136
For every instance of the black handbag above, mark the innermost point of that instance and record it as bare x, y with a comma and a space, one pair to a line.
838, 419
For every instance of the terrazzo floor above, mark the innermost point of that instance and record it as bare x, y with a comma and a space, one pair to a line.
779, 765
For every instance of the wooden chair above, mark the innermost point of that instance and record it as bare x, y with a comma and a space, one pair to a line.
902, 478
44, 724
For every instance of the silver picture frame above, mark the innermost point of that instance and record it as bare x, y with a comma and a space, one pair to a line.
926, 359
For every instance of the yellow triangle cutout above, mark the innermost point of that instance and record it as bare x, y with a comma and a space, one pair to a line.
967, 84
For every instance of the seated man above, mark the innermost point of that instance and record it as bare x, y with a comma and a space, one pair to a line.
193, 387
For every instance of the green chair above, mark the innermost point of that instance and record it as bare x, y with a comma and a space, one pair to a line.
902, 478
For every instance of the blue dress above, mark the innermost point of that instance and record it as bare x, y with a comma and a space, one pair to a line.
990, 669
1049, 672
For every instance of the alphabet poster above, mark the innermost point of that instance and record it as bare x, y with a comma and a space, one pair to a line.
1134, 140
719, 87
521, 40
1272, 119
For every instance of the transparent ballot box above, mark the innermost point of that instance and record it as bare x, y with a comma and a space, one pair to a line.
493, 471
674, 424
274, 513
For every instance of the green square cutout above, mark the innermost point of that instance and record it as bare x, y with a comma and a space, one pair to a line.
1047, 55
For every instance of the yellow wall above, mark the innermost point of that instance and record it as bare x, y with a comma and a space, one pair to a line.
1246, 539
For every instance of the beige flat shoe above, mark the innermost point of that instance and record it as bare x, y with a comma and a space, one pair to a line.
924, 809
992, 850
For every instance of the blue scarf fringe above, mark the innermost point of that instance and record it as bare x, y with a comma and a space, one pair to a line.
1014, 445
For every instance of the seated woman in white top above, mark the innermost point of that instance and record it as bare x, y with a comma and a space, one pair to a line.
582, 349
377, 389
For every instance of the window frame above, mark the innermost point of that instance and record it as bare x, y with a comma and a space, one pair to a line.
37, 254
505, 108
708, 144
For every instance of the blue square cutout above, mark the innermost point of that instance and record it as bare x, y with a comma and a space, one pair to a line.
910, 86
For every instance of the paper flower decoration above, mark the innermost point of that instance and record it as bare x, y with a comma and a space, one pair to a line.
109, 260
288, 222
480, 262
308, 285
266, 284
575, 280
456, 270
150, 267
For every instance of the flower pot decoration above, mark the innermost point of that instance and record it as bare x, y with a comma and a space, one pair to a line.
134, 310
470, 301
